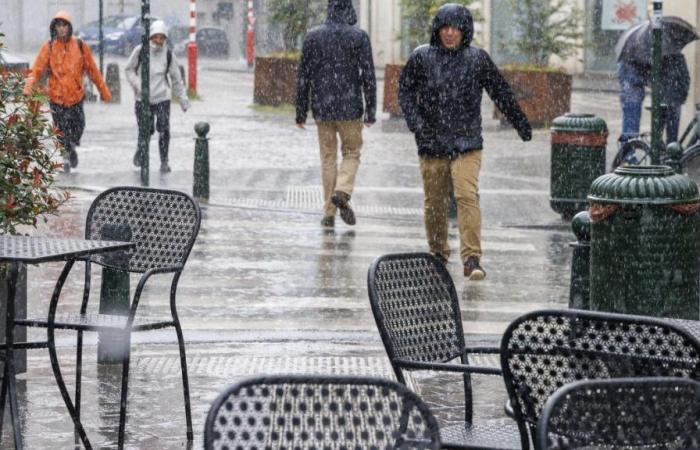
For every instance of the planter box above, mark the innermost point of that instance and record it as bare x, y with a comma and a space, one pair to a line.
275, 81
543, 96
392, 73
20, 313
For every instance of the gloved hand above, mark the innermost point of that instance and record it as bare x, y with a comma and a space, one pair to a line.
525, 133
184, 104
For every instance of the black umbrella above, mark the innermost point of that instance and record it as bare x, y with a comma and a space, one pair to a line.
634, 46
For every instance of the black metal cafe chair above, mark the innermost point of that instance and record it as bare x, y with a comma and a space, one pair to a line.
163, 224
416, 308
542, 351
319, 412
622, 413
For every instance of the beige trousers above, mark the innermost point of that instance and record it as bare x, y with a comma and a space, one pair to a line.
463, 174
336, 178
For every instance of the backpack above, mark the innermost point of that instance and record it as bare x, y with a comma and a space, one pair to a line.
169, 60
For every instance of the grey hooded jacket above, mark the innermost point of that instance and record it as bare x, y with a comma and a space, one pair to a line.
160, 87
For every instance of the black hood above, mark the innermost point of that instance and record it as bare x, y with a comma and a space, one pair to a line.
52, 29
341, 11
454, 15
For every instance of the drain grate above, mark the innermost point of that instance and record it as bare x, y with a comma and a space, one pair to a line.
309, 198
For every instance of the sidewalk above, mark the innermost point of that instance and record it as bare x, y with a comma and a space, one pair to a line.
265, 289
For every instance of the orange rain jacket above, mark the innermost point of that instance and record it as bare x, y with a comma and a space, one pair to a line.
67, 65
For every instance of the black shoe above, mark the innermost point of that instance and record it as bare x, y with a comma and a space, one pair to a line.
328, 222
66, 164
137, 159
341, 200
164, 167
441, 257
473, 270
73, 158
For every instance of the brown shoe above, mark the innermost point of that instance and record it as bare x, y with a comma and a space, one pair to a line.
473, 270
328, 222
341, 200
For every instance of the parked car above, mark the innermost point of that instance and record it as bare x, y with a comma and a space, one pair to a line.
211, 41
10, 61
122, 32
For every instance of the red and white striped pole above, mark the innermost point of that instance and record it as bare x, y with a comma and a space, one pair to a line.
250, 35
192, 49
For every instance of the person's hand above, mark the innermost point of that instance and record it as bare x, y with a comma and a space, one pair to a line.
184, 104
525, 134
301, 125
369, 124
107, 97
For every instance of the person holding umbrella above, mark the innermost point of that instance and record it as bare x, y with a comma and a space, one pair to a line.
634, 73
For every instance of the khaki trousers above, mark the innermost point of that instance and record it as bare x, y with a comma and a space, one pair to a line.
336, 178
463, 174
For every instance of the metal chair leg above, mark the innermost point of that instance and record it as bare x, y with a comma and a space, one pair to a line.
51, 338
185, 381
125, 392
78, 376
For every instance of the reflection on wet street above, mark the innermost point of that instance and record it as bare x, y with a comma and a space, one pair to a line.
266, 289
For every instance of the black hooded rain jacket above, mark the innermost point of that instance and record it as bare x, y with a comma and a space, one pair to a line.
337, 69
440, 91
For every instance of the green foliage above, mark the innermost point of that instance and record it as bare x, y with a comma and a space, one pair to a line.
418, 18
295, 17
545, 28
28, 143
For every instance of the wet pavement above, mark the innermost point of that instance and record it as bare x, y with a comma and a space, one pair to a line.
266, 290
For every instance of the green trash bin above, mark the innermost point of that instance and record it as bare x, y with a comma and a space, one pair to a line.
644, 243
578, 144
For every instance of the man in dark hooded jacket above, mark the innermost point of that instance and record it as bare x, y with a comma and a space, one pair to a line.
440, 95
336, 71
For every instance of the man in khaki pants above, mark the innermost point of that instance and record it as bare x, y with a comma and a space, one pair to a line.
440, 94
335, 73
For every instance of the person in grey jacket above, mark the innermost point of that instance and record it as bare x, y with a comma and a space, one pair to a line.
164, 81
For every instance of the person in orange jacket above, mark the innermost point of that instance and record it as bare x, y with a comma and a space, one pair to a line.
66, 59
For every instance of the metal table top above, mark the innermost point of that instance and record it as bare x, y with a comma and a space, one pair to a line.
37, 249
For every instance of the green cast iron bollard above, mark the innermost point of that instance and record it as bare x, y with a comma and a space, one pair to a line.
114, 294
578, 144
579, 292
200, 187
644, 243
113, 83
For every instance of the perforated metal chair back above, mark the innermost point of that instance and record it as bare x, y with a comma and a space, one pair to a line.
314, 412
162, 223
416, 308
544, 350
622, 413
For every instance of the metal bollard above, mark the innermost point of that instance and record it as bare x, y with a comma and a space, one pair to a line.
580, 290
113, 83
200, 187
114, 295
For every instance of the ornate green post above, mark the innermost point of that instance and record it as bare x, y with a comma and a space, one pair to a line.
145, 112
200, 188
656, 86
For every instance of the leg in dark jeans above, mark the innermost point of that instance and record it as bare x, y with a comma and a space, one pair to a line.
673, 123
161, 111
70, 120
